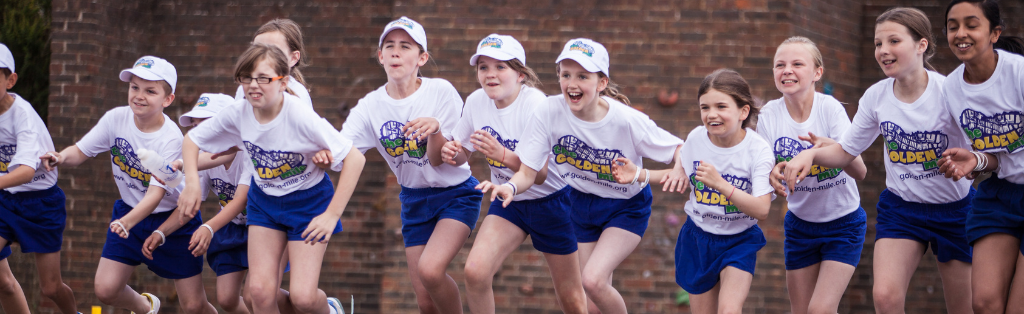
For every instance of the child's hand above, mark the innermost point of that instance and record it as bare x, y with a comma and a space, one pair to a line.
420, 128
502, 192
675, 181
121, 227
707, 174
486, 144
449, 151
51, 160
320, 228
817, 141
323, 159
624, 170
154, 241
188, 202
776, 178
200, 241
798, 168
957, 163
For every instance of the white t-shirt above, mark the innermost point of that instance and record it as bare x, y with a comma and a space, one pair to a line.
23, 138
222, 182
116, 133
915, 136
293, 84
584, 151
507, 126
377, 121
992, 113
281, 151
746, 165
826, 194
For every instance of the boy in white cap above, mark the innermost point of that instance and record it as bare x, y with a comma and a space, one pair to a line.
32, 209
145, 204
589, 128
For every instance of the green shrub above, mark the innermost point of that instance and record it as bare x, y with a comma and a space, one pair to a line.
25, 29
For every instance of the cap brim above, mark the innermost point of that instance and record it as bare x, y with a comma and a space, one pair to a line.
493, 53
587, 63
143, 73
186, 119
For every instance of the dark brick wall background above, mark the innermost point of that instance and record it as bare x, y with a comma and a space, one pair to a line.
655, 46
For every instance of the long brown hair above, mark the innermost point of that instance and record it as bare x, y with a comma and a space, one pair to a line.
730, 82
293, 35
530, 79
917, 24
255, 54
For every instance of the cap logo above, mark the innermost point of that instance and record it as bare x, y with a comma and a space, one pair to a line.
492, 42
145, 63
583, 48
401, 22
203, 101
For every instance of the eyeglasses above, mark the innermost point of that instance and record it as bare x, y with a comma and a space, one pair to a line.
259, 80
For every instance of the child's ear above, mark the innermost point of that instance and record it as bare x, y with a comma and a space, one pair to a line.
168, 100
11, 80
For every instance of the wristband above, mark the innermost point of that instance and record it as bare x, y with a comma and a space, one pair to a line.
457, 151
730, 193
163, 238
118, 222
647, 179
503, 155
982, 161
208, 228
515, 190
635, 176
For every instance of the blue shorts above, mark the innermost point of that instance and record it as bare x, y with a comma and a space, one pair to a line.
998, 207
701, 256
545, 219
941, 225
34, 219
591, 214
422, 208
6, 252
172, 260
841, 240
229, 250
290, 213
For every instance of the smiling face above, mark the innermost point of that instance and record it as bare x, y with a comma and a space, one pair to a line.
263, 96
400, 55
147, 98
581, 88
896, 51
794, 69
720, 114
498, 80
969, 33
278, 40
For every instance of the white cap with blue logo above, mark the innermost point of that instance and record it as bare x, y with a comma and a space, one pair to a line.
414, 29
588, 53
499, 47
152, 68
208, 105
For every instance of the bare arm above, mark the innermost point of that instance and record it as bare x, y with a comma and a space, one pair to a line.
21, 175
321, 227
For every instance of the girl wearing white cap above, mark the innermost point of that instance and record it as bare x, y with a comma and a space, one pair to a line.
587, 128
492, 123
406, 120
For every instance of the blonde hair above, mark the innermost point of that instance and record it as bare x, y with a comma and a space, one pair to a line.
293, 35
811, 47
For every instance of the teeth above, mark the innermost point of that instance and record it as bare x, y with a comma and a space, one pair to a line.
888, 62
571, 94
788, 81
963, 45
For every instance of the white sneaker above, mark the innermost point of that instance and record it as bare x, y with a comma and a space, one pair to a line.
335, 305
154, 303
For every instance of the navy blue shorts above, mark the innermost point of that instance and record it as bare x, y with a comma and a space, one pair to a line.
422, 208
289, 213
591, 214
998, 207
940, 225
6, 252
34, 219
229, 250
701, 256
545, 219
172, 260
841, 240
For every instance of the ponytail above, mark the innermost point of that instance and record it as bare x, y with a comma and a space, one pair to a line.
1012, 44
612, 90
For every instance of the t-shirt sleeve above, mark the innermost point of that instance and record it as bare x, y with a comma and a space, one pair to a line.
451, 110
762, 168
862, 131
357, 128
464, 128
533, 148
838, 122
29, 150
219, 133
324, 134
656, 143
98, 138
762, 127
246, 178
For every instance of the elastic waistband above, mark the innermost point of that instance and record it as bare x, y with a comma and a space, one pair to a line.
432, 190
32, 194
856, 217
311, 192
923, 208
557, 194
645, 191
702, 235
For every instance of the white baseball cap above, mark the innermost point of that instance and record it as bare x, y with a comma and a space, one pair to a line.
152, 68
499, 47
6, 58
588, 53
208, 105
414, 29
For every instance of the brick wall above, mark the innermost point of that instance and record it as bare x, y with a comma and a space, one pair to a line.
655, 46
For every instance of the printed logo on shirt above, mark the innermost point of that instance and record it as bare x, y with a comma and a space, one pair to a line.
275, 164
401, 22
1000, 131
203, 101
509, 143
574, 151
6, 155
143, 62
225, 191
395, 143
582, 47
493, 42
786, 148
922, 147
123, 155
707, 196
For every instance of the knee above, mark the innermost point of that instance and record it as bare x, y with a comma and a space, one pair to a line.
477, 276
888, 299
594, 284
106, 294
818, 309
50, 290
192, 305
987, 303
9, 285
432, 276
228, 301
731, 310
262, 294
305, 302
